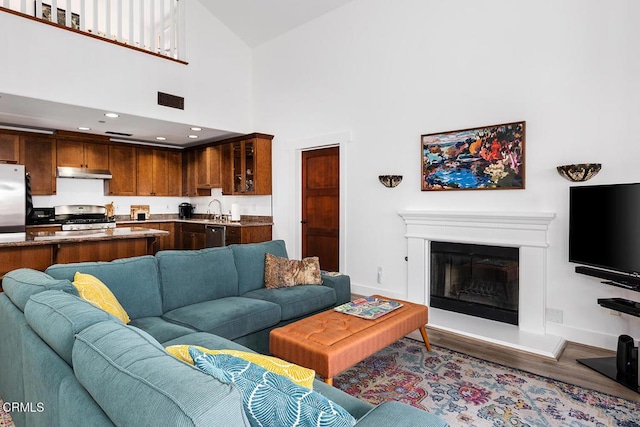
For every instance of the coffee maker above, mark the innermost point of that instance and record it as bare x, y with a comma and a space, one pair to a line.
185, 210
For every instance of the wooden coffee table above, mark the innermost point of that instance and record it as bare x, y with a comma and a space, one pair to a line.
330, 342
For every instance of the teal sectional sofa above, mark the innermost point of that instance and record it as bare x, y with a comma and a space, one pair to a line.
66, 362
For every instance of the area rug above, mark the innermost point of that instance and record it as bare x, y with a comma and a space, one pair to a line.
5, 418
467, 391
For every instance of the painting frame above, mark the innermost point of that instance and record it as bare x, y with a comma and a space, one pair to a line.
481, 158
62, 20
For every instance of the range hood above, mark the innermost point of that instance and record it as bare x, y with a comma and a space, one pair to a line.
67, 172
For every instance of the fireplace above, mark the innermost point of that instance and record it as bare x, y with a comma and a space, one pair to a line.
477, 280
526, 232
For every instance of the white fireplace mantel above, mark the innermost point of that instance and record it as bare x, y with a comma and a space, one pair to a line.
524, 230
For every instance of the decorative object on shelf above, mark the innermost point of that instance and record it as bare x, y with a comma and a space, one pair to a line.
390, 181
486, 158
579, 172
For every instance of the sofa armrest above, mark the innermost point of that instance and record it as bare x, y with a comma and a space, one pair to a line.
341, 284
399, 414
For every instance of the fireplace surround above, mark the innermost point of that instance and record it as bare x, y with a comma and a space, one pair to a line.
525, 231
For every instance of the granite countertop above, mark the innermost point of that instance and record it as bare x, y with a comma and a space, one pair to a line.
32, 238
245, 220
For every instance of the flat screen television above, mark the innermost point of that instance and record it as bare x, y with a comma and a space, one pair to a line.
604, 227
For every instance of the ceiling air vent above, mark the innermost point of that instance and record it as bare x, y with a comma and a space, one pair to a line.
109, 132
172, 101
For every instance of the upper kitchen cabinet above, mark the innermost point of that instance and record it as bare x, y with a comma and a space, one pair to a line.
9, 148
247, 166
159, 172
38, 155
122, 165
189, 173
207, 174
81, 152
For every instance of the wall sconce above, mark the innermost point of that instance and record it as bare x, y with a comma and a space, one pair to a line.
579, 172
390, 181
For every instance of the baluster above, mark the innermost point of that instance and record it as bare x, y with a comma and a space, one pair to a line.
96, 29
162, 27
172, 29
83, 19
23, 6
119, 20
131, 36
67, 13
141, 40
39, 8
107, 15
152, 26
54, 11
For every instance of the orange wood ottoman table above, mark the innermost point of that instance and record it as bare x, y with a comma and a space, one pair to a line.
330, 342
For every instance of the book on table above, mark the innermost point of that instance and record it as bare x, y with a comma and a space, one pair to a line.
368, 307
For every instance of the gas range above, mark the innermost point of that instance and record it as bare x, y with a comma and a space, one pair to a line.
83, 217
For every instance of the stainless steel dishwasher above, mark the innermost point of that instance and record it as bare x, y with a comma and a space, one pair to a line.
216, 235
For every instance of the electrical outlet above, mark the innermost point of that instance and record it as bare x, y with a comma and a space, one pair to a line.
554, 315
379, 274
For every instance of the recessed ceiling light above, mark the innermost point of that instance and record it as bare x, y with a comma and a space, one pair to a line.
196, 129
112, 115
161, 138
193, 136
83, 128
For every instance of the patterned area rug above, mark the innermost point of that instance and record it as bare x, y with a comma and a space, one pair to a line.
468, 391
5, 418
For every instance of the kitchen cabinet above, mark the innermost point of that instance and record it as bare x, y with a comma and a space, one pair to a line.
123, 168
193, 236
247, 166
82, 154
163, 243
38, 155
36, 257
207, 170
159, 172
252, 234
9, 148
189, 173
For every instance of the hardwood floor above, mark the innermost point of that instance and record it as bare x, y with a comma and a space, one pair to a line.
567, 369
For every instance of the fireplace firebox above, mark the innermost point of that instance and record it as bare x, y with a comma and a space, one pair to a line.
477, 280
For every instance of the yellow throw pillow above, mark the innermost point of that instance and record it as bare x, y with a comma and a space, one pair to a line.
298, 374
90, 288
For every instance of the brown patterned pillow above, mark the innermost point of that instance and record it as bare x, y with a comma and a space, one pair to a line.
282, 272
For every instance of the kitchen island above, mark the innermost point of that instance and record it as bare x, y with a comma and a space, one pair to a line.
40, 249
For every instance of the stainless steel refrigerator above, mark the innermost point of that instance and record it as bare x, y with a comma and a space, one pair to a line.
12, 198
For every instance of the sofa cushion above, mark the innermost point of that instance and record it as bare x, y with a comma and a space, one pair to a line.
91, 289
161, 329
57, 316
270, 399
130, 279
190, 277
249, 259
137, 383
282, 272
230, 317
207, 340
20, 284
297, 301
393, 413
298, 374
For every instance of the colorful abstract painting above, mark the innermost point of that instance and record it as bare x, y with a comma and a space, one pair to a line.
490, 157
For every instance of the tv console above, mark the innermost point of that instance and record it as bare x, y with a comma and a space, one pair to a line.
607, 366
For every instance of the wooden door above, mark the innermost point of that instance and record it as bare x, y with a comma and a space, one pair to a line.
145, 171
321, 206
70, 154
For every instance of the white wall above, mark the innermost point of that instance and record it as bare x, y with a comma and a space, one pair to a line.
388, 72
44, 62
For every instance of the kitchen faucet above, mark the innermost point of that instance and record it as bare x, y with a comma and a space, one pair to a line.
218, 216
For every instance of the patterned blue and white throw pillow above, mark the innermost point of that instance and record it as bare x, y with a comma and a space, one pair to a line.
270, 399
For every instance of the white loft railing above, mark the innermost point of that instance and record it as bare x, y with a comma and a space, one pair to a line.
156, 26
